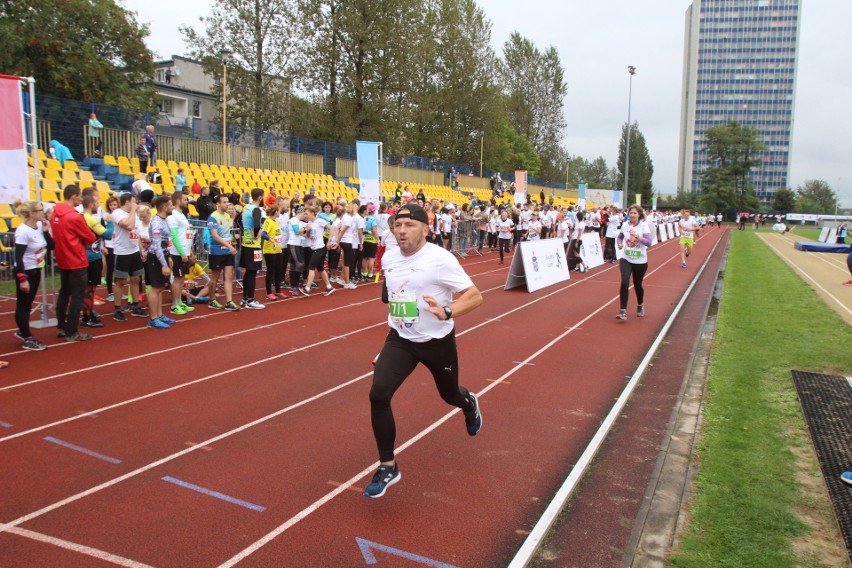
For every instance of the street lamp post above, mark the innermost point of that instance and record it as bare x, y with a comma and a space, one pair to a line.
632, 70
224, 54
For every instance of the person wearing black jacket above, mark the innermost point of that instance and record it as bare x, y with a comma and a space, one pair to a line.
205, 205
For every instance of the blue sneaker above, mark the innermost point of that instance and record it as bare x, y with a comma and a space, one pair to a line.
166, 320
201, 300
384, 477
473, 418
157, 324
846, 477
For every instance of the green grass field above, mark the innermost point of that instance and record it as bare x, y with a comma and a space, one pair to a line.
744, 508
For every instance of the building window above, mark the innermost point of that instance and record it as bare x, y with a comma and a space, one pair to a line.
166, 106
161, 76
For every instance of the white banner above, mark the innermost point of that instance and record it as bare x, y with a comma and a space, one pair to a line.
539, 264
823, 235
670, 230
664, 236
676, 229
520, 187
14, 183
832, 236
590, 250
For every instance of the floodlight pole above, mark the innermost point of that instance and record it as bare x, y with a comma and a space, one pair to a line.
632, 70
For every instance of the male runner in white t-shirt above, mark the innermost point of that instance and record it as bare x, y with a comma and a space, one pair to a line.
420, 281
688, 227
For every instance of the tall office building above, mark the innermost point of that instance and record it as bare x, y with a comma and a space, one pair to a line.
739, 63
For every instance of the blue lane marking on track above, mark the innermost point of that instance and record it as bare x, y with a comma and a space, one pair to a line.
5, 424
523, 363
367, 547
215, 494
82, 450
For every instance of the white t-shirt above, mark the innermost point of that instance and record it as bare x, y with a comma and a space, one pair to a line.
687, 226
318, 226
293, 227
565, 230
504, 228
346, 226
141, 185
524, 220
388, 239
446, 223
355, 222
383, 222
431, 271
612, 227
534, 231
579, 229
177, 220
35, 243
124, 242
635, 252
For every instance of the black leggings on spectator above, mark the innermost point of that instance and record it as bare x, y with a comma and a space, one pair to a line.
25, 301
638, 272
295, 265
110, 268
274, 271
396, 362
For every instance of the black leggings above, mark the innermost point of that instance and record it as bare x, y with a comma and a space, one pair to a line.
396, 362
638, 272
295, 265
25, 301
110, 271
503, 246
274, 271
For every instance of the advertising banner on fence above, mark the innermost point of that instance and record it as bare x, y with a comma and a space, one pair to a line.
581, 196
538, 264
368, 171
590, 250
13, 150
617, 199
520, 186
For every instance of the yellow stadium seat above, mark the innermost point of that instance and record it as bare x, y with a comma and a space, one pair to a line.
6, 211
103, 188
53, 164
71, 165
50, 184
69, 176
86, 176
14, 222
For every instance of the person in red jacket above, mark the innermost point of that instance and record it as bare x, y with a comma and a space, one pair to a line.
71, 236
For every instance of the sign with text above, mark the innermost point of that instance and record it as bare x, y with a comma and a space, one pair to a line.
664, 235
538, 264
590, 250
823, 235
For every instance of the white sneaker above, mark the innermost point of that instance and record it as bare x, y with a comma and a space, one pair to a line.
350, 286
255, 305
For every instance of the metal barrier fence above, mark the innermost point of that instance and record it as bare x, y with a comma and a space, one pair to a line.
466, 238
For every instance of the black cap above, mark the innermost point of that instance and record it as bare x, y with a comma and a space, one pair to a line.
413, 211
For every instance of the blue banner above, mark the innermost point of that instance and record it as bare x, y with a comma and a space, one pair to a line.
368, 171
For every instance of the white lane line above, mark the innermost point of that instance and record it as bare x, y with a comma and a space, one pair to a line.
808, 276
313, 507
557, 504
79, 548
5, 527
301, 349
829, 258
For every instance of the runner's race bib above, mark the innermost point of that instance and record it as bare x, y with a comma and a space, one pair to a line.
403, 308
278, 241
134, 235
258, 256
633, 253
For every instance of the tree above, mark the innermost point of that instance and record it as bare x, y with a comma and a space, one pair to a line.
784, 200
535, 89
815, 196
260, 38
100, 58
734, 150
641, 170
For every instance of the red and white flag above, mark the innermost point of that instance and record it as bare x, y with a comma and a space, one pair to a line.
13, 150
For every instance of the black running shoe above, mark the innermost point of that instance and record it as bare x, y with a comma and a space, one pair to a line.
384, 477
118, 315
473, 418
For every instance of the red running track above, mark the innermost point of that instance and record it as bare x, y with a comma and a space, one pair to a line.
270, 409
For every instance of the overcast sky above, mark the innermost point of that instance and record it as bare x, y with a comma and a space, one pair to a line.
598, 40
